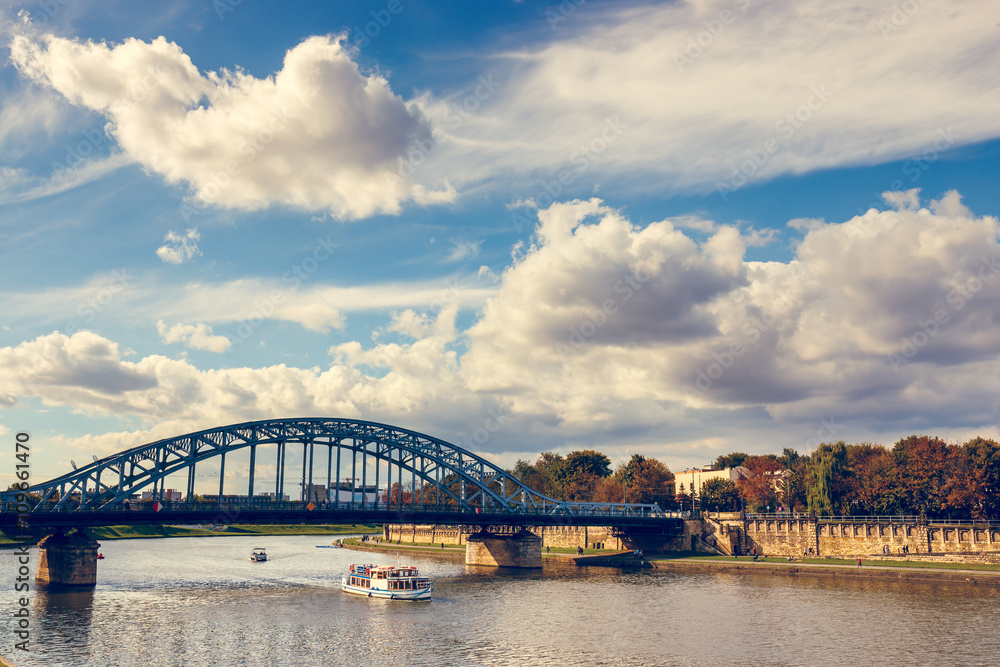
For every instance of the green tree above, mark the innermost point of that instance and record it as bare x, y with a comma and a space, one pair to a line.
646, 480
824, 482
734, 460
719, 495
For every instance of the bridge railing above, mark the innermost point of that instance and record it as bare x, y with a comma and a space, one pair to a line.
870, 518
229, 507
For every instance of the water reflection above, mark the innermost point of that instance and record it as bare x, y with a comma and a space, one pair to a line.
197, 602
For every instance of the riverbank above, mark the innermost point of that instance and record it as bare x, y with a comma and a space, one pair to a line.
848, 570
126, 532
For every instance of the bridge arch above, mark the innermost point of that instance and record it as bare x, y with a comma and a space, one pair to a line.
458, 478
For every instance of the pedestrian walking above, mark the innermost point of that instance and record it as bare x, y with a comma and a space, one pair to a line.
859, 562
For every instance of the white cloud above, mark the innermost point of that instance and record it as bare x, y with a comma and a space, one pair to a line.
639, 337
700, 100
16, 185
179, 248
331, 137
194, 336
463, 250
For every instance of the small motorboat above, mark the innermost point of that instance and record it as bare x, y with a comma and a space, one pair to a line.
258, 555
336, 545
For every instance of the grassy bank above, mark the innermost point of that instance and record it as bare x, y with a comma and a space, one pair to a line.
143, 531
830, 561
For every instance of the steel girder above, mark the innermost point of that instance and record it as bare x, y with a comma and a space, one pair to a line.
435, 461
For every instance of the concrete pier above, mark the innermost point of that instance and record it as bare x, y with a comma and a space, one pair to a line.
523, 549
67, 560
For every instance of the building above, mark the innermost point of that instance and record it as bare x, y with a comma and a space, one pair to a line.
346, 492
168, 494
258, 498
691, 481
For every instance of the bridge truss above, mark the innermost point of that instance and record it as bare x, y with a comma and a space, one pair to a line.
442, 476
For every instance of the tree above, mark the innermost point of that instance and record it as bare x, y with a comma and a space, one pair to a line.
646, 480
923, 463
719, 495
793, 493
734, 460
973, 485
824, 483
872, 482
576, 478
758, 482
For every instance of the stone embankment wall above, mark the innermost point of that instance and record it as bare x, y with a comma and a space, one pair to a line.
570, 537
428, 534
790, 536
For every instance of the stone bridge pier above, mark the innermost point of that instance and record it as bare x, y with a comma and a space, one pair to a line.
520, 549
67, 560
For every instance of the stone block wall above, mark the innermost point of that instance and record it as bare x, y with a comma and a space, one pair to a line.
781, 537
855, 539
432, 534
588, 537
520, 550
571, 537
788, 537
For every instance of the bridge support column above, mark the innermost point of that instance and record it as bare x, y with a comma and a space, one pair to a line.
67, 560
522, 549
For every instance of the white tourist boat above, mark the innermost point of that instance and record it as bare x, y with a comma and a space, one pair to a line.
258, 555
387, 581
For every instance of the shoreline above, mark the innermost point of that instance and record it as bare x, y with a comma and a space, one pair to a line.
924, 575
968, 577
342, 529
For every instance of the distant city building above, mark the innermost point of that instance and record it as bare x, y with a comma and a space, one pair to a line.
242, 498
346, 492
691, 481
168, 494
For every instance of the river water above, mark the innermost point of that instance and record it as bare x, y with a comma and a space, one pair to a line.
200, 601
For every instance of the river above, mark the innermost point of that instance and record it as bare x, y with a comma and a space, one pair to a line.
200, 601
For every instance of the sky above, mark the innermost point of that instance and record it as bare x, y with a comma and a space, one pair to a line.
678, 229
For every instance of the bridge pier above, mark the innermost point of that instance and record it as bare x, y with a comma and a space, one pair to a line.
67, 560
522, 549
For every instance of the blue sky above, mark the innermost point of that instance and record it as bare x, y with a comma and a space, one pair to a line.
679, 229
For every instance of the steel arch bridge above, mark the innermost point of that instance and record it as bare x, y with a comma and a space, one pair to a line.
453, 478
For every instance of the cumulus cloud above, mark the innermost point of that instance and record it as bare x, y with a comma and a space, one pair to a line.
328, 136
729, 92
179, 248
601, 331
194, 336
